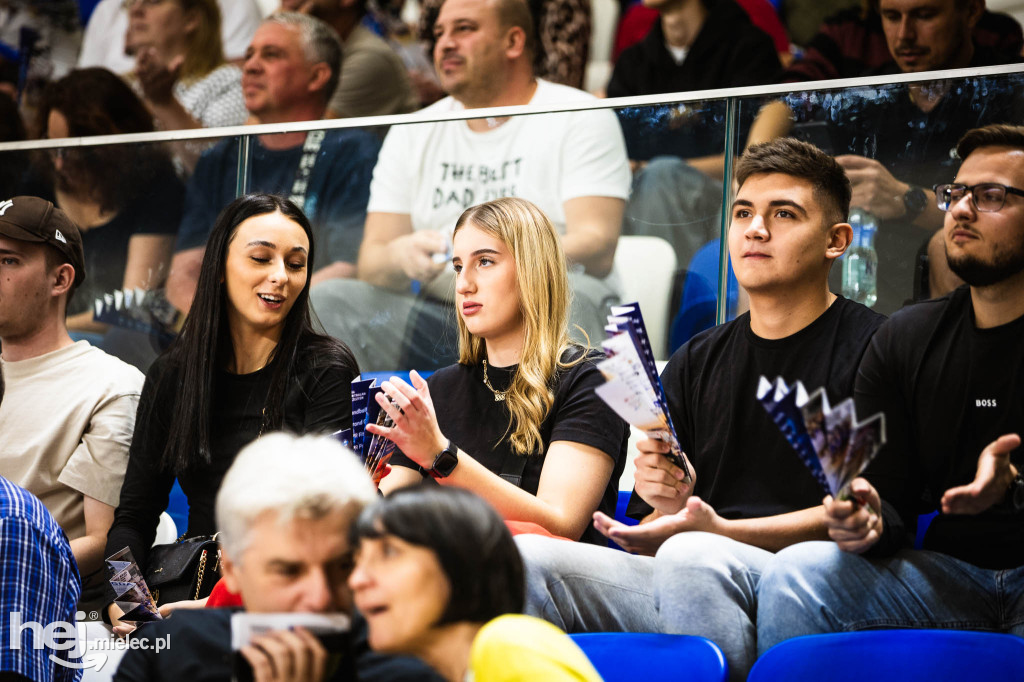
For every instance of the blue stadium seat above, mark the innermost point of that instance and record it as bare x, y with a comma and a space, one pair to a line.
177, 508
631, 656
894, 656
923, 521
620, 513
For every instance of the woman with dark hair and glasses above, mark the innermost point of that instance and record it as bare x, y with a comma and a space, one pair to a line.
438, 576
248, 361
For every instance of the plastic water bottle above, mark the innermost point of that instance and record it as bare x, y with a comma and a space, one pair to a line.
860, 263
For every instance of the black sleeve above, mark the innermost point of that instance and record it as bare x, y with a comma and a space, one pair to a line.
146, 487
137, 665
584, 418
621, 83
878, 388
328, 404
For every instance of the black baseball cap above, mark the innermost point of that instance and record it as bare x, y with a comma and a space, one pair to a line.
31, 219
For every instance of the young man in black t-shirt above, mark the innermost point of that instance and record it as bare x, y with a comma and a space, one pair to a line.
755, 496
949, 375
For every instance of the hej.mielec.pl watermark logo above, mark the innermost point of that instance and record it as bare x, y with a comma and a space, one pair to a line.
69, 645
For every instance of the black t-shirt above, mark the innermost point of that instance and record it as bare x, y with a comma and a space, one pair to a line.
200, 651
947, 389
745, 467
318, 401
469, 415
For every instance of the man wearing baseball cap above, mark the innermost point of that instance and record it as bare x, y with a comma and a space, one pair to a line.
68, 413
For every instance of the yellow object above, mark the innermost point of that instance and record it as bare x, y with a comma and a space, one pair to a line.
515, 648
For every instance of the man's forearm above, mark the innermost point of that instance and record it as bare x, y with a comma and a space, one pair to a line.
777, 532
376, 267
590, 251
88, 551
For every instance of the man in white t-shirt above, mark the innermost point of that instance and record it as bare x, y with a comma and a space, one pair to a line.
68, 410
572, 165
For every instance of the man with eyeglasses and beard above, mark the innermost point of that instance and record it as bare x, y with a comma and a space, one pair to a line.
949, 376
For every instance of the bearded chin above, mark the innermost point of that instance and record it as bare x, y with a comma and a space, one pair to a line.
979, 273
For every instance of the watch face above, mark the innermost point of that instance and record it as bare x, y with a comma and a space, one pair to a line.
445, 462
915, 201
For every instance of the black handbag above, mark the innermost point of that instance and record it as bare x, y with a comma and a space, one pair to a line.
185, 570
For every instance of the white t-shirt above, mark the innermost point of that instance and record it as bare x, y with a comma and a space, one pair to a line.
66, 423
434, 171
103, 42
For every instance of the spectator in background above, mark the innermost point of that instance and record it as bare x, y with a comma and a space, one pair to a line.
373, 80
104, 41
561, 29
572, 166
126, 199
853, 43
896, 144
284, 512
291, 69
68, 413
638, 19
39, 583
438, 576
179, 64
695, 45
248, 360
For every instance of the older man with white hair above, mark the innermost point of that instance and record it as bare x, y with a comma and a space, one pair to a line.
283, 510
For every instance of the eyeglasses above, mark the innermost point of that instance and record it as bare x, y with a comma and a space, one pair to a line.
987, 197
131, 4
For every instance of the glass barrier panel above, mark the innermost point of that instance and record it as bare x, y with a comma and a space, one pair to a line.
129, 201
896, 142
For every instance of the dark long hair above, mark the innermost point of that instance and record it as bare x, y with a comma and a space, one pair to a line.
472, 544
96, 102
204, 344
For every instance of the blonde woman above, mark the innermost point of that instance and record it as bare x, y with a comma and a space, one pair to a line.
516, 420
180, 68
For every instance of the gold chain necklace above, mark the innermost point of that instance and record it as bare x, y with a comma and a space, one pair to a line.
498, 395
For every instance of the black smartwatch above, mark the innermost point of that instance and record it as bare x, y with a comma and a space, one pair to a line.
445, 462
914, 202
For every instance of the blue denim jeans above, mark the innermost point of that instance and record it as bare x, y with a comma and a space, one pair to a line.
698, 584
814, 587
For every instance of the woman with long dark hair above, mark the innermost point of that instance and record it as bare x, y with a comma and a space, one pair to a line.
248, 361
516, 420
439, 577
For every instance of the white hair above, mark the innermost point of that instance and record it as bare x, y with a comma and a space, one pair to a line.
293, 476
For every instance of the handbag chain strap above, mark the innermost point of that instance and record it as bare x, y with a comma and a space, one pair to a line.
202, 570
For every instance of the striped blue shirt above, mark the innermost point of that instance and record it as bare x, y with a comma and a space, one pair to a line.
39, 584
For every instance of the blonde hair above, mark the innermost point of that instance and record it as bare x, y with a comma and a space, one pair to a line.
205, 50
544, 298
